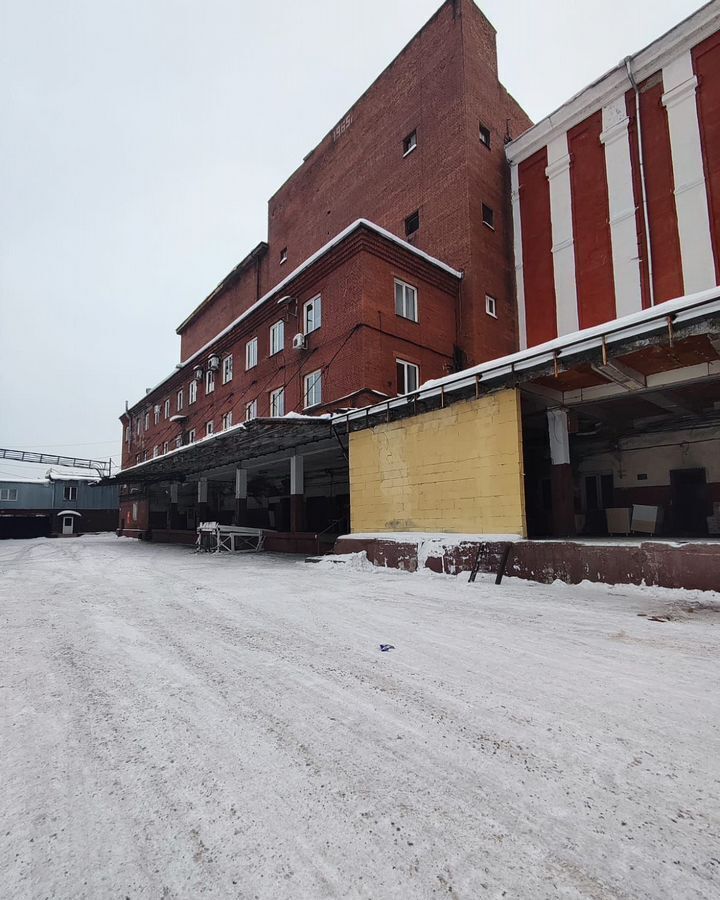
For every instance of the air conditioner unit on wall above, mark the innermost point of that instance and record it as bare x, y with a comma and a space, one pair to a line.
299, 342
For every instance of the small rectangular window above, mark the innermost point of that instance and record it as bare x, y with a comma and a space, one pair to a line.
251, 353
178, 441
410, 143
312, 314
485, 134
191, 436
166, 447
406, 300
156, 413
226, 420
251, 410
408, 376
209, 427
137, 459
277, 403
147, 420
167, 408
277, 337
179, 402
127, 434
283, 255
227, 369
313, 389
9, 494
144, 455
488, 216
491, 306
209, 381
412, 223
69, 493
156, 451
192, 392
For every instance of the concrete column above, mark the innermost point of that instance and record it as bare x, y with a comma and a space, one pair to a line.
202, 500
679, 84
297, 494
563, 242
172, 510
563, 506
240, 515
621, 202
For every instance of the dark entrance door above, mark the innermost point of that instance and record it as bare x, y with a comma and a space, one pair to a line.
689, 501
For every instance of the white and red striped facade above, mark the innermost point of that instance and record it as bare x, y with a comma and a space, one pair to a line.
616, 195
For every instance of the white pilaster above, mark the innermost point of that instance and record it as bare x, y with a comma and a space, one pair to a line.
621, 201
563, 249
559, 437
296, 475
517, 245
679, 85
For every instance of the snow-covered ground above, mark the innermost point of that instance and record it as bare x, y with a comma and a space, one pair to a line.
178, 726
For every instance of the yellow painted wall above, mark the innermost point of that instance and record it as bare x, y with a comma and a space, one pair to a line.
457, 469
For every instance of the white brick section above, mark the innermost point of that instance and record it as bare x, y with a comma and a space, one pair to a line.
563, 250
679, 84
623, 226
517, 245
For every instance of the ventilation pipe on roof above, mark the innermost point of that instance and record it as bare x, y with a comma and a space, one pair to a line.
643, 190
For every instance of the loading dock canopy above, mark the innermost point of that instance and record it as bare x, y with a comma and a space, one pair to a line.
251, 440
673, 342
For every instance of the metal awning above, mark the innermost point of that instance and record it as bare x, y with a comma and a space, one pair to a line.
251, 440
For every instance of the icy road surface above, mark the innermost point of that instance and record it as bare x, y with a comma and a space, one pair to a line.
182, 726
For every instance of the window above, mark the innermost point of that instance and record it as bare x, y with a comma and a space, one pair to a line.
127, 434
227, 369
192, 392
406, 300
491, 306
412, 223
283, 255
410, 143
209, 381
178, 441
9, 494
209, 427
137, 459
156, 450
488, 216
226, 420
251, 410
69, 493
166, 447
191, 436
144, 455
167, 408
408, 377
137, 426
312, 314
147, 420
179, 401
485, 134
277, 337
251, 354
277, 402
313, 389
156, 413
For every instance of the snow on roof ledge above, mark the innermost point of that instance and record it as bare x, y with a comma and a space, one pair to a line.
346, 232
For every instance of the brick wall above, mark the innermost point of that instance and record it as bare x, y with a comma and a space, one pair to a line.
355, 348
457, 469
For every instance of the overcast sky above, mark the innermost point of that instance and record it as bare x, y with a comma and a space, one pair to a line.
141, 139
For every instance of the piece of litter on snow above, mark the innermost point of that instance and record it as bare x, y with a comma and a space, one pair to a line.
385, 647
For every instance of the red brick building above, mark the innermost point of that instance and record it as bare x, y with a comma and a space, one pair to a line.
421, 156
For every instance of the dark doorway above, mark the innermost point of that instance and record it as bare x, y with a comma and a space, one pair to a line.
24, 526
689, 500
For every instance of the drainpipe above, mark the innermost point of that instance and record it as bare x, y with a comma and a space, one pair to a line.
643, 190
